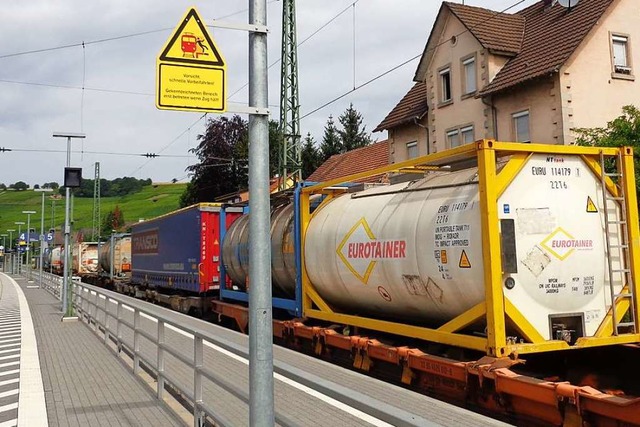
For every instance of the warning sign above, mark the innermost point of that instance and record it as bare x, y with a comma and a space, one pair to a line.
464, 260
443, 256
591, 207
191, 71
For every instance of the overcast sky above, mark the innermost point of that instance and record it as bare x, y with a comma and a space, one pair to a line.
39, 91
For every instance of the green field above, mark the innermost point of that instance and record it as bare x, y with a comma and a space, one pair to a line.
152, 201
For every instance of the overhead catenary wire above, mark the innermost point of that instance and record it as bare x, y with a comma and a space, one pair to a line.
339, 97
106, 39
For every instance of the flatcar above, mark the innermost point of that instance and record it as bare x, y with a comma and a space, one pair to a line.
474, 261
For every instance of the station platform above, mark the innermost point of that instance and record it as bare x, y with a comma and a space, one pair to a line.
73, 374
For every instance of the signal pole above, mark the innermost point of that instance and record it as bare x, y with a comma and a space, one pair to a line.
67, 305
290, 157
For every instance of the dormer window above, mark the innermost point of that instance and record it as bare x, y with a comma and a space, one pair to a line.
621, 60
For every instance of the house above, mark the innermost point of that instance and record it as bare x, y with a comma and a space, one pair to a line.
362, 159
530, 76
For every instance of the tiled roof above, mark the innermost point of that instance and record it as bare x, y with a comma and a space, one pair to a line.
359, 160
494, 30
412, 105
551, 35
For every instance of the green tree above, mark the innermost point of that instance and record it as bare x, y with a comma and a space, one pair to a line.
19, 186
113, 220
621, 131
353, 134
222, 154
3, 187
310, 156
331, 143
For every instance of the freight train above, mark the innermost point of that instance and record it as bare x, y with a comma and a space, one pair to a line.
476, 260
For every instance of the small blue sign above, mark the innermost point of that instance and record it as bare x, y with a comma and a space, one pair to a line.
49, 237
506, 208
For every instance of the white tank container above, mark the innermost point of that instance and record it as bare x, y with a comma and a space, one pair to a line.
413, 252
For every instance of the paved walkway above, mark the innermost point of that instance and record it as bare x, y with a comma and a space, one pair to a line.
10, 335
84, 384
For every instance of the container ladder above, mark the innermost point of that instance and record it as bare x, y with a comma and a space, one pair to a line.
623, 244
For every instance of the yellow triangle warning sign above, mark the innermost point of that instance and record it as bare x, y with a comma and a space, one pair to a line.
191, 43
591, 207
464, 260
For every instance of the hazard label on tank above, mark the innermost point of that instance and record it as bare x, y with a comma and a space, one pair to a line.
591, 207
464, 260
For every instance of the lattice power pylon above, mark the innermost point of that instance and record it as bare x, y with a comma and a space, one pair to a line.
291, 150
95, 229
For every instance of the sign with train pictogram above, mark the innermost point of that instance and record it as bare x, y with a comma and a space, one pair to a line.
190, 70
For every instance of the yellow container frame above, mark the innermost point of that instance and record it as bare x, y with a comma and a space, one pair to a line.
496, 308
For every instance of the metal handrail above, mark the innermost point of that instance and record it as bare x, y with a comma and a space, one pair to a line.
92, 303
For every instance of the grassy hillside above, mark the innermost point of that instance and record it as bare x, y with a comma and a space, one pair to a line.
152, 201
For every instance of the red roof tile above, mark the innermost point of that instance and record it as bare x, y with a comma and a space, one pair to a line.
494, 30
363, 159
551, 35
412, 105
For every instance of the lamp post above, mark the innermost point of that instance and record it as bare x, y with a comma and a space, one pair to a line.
29, 213
42, 191
19, 224
10, 231
4, 252
67, 307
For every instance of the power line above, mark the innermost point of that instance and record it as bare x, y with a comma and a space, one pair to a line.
406, 62
101, 153
107, 39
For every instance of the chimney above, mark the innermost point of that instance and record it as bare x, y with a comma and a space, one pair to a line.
547, 3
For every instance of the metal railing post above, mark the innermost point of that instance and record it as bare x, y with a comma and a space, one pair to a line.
136, 341
198, 415
160, 360
118, 330
95, 311
106, 320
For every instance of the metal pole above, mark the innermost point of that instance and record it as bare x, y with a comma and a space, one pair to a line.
29, 213
67, 308
67, 305
41, 239
19, 254
261, 410
11, 244
28, 247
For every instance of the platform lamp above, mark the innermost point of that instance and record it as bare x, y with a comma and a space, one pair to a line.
4, 252
29, 213
10, 231
19, 224
42, 240
69, 175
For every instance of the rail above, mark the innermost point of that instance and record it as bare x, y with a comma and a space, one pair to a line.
106, 312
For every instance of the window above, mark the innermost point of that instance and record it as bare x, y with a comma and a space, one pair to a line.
469, 70
466, 134
453, 138
460, 136
620, 52
412, 150
521, 126
445, 85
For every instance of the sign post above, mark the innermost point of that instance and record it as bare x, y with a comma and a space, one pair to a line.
190, 70
190, 76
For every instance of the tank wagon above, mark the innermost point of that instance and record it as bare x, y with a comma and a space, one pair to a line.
500, 249
114, 257
84, 258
